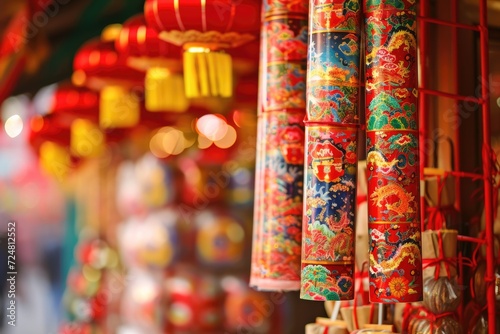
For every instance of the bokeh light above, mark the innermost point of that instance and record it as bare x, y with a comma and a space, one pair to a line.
169, 141
212, 126
229, 138
14, 126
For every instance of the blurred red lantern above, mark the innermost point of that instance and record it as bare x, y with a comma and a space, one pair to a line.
75, 101
86, 138
98, 66
146, 52
50, 127
204, 29
49, 137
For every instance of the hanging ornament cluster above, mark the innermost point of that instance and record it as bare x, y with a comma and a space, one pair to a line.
392, 151
160, 60
331, 141
205, 29
280, 147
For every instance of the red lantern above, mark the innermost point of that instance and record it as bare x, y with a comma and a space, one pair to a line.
82, 105
49, 137
75, 101
98, 66
204, 29
146, 52
52, 128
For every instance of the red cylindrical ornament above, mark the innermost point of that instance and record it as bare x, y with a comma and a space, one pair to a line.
331, 140
392, 152
280, 147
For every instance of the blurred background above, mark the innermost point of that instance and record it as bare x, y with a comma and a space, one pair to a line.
143, 224
149, 229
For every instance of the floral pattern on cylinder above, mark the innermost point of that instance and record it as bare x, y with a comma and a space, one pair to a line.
395, 262
281, 214
381, 5
329, 203
283, 85
280, 146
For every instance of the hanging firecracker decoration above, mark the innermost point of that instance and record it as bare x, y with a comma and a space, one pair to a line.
146, 52
98, 66
331, 141
392, 152
280, 147
205, 29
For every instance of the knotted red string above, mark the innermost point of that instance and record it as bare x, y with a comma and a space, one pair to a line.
477, 310
407, 313
437, 216
441, 259
421, 313
424, 314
